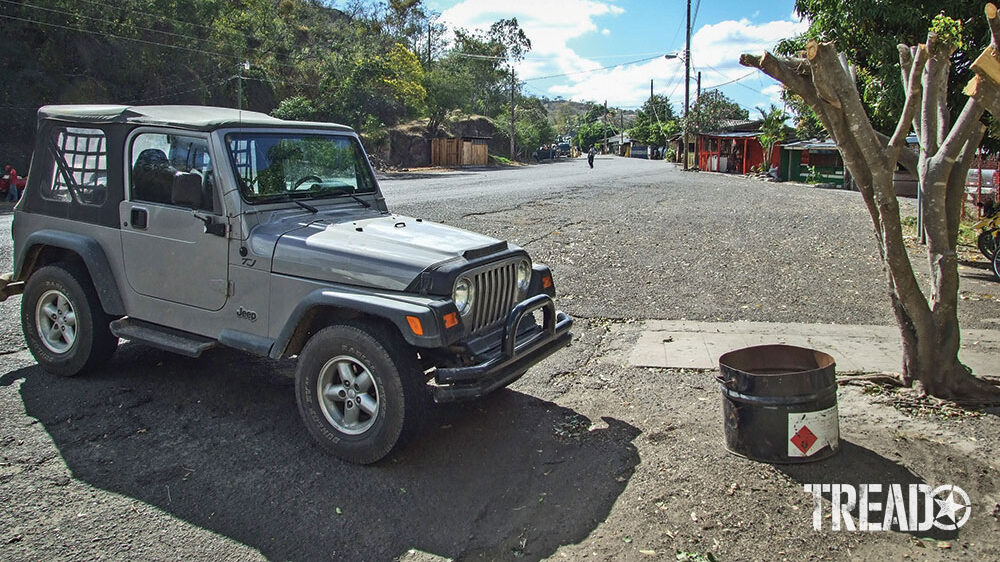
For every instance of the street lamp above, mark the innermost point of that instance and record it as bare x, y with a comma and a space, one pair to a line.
686, 55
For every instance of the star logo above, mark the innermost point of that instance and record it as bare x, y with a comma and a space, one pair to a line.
953, 509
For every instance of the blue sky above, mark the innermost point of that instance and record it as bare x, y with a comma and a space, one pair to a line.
577, 37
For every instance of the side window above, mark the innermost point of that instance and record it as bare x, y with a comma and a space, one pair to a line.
172, 170
80, 167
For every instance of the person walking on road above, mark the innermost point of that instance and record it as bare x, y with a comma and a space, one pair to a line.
11, 183
590, 156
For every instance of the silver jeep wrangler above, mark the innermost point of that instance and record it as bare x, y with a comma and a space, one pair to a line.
187, 227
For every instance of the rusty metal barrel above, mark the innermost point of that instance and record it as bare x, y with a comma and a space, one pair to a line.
779, 403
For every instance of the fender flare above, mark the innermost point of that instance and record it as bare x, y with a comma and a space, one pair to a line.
383, 307
92, 255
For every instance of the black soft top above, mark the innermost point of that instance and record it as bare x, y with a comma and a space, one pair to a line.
191, 117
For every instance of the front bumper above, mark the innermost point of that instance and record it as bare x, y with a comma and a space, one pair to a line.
515, 354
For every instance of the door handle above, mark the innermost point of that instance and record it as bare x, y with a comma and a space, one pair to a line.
139, 218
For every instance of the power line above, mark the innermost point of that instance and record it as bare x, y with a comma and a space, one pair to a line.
160, 17
745, 76
106, 21
594, 70
103, 34
172, 94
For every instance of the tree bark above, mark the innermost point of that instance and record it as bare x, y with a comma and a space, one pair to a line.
928, 324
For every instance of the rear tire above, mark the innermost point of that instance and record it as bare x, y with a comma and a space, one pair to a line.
996, 266
64, 324
987, 242
359, 391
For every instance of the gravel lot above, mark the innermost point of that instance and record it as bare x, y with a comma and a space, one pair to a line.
160, 457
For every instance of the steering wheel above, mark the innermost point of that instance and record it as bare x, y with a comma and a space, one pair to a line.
304, 179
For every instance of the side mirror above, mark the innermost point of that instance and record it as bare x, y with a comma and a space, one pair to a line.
186, 190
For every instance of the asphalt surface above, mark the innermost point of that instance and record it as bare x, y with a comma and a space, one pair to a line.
158, 456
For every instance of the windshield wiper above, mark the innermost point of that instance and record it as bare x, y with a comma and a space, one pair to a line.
305, 206
339, 192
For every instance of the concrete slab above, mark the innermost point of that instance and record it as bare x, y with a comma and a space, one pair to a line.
856, 349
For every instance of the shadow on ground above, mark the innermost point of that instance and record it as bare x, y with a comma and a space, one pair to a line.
868, 467
218, 442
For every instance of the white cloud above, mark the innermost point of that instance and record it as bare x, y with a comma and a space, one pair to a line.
553, 24
549, 24
715, 50
773, 93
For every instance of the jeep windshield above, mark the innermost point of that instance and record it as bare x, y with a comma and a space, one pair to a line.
283, 166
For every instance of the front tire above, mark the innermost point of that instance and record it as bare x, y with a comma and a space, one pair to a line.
64, 325
359, 391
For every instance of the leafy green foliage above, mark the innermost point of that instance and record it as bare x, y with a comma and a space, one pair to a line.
295, 108
711, 112
532, 128
867, 32
772, 130
367, 65
948, 31
655, 122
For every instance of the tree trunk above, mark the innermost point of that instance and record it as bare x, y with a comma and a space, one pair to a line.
928, 324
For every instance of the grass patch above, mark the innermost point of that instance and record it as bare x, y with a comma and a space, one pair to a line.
966, 233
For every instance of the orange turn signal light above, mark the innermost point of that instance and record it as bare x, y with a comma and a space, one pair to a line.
547, 282
415, 326
451, 320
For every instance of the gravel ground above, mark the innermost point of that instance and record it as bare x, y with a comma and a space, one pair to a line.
643, 240
159, 457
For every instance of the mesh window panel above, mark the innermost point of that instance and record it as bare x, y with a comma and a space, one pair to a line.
80, 173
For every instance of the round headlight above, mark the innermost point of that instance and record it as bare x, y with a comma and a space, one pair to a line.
463, 295
523, 275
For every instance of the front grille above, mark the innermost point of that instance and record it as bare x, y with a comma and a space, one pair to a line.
496, 292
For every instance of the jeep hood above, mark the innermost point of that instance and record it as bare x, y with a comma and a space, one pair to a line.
382, 251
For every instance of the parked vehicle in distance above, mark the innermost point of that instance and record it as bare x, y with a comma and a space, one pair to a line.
186, 227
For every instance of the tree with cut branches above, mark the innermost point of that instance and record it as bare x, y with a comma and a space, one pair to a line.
822, 77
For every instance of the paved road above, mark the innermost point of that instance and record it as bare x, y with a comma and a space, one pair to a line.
159, 456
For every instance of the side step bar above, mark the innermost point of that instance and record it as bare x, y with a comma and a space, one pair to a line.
9, 287
169, 339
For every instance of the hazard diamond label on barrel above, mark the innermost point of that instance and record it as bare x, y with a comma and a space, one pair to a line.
811, 432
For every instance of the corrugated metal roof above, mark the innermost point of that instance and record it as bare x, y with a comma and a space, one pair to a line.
731, 135
811, 144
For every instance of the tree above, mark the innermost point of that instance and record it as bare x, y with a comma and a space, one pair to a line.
383, 86
867, 32
295, 108
772, 130
531, 124
929, 325
447, 88
487, 58
712, 110
654, 122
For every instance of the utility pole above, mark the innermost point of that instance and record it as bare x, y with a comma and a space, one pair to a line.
428, 44
621, 141
687, 82
243, 65
698, 95
606, 126
512, 112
